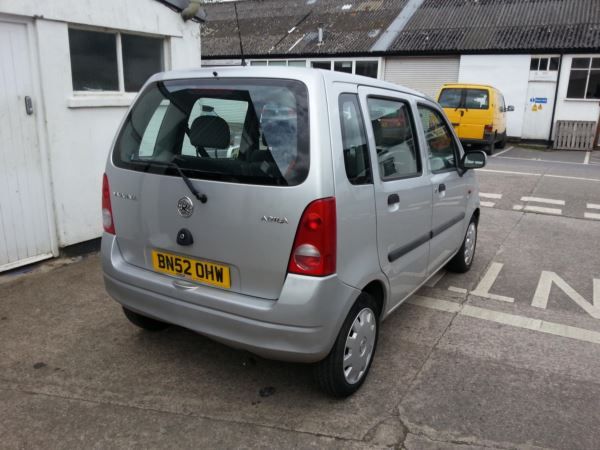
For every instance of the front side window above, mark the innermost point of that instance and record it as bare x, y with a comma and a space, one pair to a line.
95, 56
253, 131
397, 152
584, 79
441, 147
354, 140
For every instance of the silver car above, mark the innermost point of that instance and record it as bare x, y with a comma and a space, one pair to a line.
300, 241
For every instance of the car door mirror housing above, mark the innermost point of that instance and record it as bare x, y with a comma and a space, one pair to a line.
473, 160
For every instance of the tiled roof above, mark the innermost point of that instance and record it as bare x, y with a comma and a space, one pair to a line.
290, 27
501, 25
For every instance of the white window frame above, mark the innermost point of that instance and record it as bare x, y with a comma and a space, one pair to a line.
126, 96
332, 60
587, 80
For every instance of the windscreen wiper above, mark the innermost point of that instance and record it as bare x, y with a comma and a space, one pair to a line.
202, 197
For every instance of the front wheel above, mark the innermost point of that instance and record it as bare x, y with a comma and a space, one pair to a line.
463, 260
344, 370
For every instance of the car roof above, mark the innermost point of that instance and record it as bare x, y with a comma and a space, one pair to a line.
299, 73
467, 85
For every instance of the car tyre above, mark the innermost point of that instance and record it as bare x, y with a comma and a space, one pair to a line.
502, 142
463, 260
345, 369
144, 322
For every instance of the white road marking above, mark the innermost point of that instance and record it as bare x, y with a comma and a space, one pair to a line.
589, 215
587, 158
528, 323
488, 195
487, 204
549, 201
547, 279
513, 172
486, 283
503, 151
518, 207
457, 289
543, 210
544, 160
435, 279
593, 206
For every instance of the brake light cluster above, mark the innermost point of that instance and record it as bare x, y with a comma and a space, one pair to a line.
314, 250
488, 128
107, 215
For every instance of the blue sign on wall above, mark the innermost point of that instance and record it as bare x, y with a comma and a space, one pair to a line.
538, 100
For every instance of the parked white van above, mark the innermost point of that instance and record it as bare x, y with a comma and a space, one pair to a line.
284, 211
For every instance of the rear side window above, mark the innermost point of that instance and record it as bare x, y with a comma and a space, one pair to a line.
239, 131
354, 140
441, 147
477, 99
450, 98
464, 98
397, 153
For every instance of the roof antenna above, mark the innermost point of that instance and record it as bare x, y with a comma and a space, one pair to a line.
237, 22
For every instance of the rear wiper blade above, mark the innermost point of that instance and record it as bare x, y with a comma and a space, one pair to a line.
202, 197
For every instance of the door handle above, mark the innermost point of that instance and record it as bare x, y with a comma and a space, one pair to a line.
28, 105
393, 199
442, 188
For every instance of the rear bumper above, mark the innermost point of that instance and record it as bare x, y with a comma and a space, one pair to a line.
488, 138
300, 326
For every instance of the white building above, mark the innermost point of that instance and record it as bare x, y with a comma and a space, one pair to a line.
534, 52
68, 71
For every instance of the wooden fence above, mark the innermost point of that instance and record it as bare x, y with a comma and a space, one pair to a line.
575, 135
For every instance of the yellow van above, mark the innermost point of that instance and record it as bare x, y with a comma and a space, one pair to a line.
477, 112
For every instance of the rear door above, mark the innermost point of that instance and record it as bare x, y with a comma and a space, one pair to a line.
403, 193
253, 170
450, 190
476, 113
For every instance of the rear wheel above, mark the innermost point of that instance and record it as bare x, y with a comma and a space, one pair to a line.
463, 260
502, 142
147, 323
344, 370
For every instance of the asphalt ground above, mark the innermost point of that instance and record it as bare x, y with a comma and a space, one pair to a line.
505, 356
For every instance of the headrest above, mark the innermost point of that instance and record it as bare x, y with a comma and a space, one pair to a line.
210, 132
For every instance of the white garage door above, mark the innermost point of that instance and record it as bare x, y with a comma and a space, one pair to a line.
422, 73
24, 222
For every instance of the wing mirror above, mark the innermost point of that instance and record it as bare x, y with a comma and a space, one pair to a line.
509, 108
473, 160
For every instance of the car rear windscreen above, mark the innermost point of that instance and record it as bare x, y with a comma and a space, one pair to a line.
234, 130
464, 98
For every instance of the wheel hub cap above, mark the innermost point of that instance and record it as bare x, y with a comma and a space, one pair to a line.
470, 240
359, 345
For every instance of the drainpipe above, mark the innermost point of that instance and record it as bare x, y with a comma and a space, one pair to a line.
555, 101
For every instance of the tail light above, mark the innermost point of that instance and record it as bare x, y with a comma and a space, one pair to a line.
107, 215
488, 128
314, 250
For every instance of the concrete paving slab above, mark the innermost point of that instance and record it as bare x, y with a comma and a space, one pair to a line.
66, 338
459, 397
544, 155
40, 421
